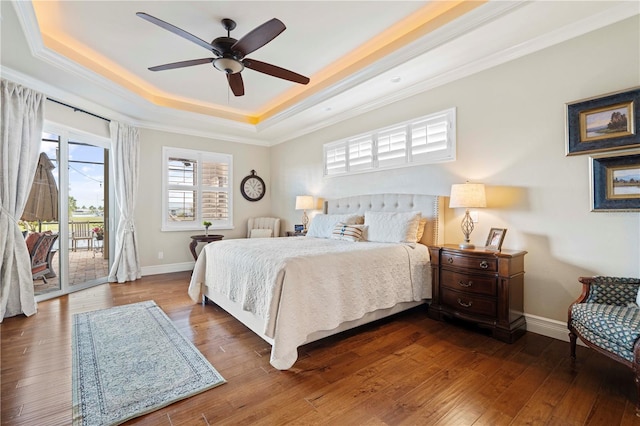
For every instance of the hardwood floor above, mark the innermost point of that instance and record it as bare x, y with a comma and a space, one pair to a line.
408, 370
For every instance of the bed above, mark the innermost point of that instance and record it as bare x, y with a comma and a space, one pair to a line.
293, 291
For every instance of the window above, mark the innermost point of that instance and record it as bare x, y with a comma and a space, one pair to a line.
428, 139
196, 188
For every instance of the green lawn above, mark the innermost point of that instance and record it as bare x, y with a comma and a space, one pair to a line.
54, 226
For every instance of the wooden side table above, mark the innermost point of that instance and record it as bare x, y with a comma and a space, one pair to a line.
195, 239
481, 286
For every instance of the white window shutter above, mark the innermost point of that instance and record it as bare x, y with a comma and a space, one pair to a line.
360, 153
335, 159
196, 187
424, 140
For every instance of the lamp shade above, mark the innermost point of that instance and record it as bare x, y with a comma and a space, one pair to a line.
304, 202
467, 195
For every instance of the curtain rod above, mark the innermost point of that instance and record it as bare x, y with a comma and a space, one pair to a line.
76, 109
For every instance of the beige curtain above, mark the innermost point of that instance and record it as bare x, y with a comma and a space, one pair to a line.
125, 151
21, 121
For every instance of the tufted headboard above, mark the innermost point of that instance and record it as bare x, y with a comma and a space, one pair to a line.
431, 207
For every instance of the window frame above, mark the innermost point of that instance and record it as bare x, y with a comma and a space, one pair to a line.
383, 146
200, 157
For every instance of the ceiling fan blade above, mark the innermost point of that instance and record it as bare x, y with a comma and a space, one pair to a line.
181, 64
178, 31
258, 37
275, 71
236, 84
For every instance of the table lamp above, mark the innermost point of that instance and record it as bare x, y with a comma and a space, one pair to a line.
304, 202
467, 195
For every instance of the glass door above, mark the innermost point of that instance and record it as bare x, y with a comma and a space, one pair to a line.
80, 256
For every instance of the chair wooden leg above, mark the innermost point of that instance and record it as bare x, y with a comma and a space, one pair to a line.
572, 344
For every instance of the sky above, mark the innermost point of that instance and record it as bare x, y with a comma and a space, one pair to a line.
85, 180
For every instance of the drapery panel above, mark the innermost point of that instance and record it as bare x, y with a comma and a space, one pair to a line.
21, 122
125, 152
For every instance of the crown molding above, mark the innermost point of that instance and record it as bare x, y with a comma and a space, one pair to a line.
472, 20
623, 11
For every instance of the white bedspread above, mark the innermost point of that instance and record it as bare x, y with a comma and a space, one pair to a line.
301, 285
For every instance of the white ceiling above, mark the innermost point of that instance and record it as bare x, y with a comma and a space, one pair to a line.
95, 55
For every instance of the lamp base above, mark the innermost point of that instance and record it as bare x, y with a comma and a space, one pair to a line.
466, 246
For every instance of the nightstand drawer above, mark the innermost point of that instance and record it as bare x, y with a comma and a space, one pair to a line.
469, 303
469, 262
476, 284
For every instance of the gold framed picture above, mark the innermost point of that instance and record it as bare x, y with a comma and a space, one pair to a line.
604, 123
615, 181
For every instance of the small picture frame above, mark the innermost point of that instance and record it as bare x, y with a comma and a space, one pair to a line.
298, 228
604, 123
615, 181
495, 239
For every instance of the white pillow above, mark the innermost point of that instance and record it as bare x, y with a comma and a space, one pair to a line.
345, 232
638, 297
387, 227
260, 233
322, 224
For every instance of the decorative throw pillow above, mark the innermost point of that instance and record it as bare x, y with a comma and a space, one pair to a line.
345, 232
387, 227
260, 233
322, 224
421, 226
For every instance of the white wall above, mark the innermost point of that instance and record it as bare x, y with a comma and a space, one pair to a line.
510, 124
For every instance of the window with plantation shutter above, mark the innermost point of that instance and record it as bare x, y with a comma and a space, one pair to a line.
424, 140
335, 158
392, 147
433, 137
360, 153
196, 188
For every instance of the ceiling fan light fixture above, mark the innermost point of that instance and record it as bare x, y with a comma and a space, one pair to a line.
228, 65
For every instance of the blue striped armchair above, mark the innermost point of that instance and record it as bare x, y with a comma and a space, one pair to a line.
606, 318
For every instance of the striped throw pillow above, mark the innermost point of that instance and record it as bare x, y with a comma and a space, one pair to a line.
345, 232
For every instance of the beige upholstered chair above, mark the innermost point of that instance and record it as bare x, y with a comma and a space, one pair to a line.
258, 227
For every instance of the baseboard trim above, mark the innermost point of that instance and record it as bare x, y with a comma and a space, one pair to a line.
167, 269
548, 327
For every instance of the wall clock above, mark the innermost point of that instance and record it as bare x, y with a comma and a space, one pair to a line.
252, 187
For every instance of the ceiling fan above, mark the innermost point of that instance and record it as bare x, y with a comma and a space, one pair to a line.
231, 53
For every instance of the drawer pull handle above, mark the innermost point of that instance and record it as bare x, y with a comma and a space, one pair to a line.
463, 284
484, 264
450, 260
466, 305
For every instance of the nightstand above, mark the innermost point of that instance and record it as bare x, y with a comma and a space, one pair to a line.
296, 234
481, 286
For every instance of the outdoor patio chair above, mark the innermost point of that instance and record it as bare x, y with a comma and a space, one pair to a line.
81, 231
40, 246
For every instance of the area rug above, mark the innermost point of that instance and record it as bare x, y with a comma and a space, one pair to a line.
130, 360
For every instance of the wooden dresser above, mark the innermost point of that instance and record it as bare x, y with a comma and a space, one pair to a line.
485, 287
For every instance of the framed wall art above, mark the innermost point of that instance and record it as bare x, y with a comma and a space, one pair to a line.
495, 239
604, 123
615, 181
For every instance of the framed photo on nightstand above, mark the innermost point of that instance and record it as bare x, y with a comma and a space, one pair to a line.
495, 239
